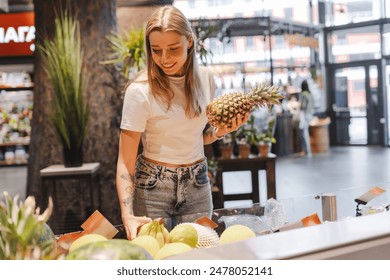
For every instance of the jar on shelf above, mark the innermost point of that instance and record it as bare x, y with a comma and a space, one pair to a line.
9, 155
20, 155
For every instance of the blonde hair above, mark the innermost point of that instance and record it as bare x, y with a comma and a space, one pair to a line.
169, 18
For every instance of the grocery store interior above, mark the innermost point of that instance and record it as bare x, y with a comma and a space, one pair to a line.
340, 47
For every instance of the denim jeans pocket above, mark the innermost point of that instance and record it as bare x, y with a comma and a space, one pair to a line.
145, 176
200, 176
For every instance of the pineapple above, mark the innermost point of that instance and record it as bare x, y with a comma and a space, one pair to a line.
222, 110
24, 233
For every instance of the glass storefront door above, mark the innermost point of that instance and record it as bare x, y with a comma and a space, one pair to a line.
357, 105
387, 120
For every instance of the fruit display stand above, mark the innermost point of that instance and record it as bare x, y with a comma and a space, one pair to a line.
366, 237
362, 237
349, 237
256, 210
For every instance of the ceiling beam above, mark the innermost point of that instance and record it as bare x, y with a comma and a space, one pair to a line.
254, 26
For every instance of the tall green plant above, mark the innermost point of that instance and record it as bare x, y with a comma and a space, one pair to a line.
127, 51
63, 62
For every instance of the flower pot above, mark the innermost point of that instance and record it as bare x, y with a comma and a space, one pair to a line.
244, 150
73, 157
226, 152
264, 150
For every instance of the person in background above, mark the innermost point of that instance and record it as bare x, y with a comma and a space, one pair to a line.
293, 106
165, 106
306, 115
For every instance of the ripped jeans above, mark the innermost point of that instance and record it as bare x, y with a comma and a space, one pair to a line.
177, 194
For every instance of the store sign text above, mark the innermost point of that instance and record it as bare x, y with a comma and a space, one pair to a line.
17, 34
21, 35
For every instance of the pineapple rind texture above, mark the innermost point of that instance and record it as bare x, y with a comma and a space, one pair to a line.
222, 110
21, 229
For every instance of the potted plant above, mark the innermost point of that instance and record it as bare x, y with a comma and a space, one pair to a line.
242, 140
226, 146
127, 52
244, 147
264, 140
63, 62
246, 136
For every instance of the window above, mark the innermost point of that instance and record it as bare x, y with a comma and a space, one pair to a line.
358, 85
228, 45
288, 12
279, 42
386, 39
354, 44
349, 11
213, 3
191, 4
250, 43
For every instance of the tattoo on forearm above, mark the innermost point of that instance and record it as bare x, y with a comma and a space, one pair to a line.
127, 201
129, 189
128, 177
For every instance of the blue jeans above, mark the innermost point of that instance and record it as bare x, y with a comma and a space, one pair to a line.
177, 194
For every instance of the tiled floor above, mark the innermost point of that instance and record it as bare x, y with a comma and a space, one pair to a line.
13, 180
296, 177
346, 171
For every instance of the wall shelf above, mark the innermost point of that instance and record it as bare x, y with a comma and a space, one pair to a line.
15, 88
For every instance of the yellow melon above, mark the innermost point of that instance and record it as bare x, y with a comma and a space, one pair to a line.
184, 233
172, 249
236, 233
86, 239
149, 243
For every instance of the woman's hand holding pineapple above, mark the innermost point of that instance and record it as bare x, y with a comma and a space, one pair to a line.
221, 131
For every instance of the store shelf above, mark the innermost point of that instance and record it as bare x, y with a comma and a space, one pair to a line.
15, 118
13, 144
15, 88
13, 163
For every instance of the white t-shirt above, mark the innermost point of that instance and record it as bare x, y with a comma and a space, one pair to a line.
168, 136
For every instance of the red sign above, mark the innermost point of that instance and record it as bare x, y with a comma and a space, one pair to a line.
17, 34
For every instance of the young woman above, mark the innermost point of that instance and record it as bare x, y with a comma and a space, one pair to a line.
165, 106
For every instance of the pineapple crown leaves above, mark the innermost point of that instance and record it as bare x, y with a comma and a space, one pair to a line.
223, 109
21, 227
263, 95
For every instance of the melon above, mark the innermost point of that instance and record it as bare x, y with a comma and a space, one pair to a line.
236, 233
184, 233
172, 249
113, 249
207, 237
149, 243
86, 239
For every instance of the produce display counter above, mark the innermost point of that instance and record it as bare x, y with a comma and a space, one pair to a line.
366, 237
349, 237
